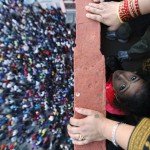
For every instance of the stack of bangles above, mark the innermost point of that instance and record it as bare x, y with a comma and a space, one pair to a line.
127, 10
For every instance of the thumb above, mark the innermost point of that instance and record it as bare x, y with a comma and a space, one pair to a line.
84, 111
114, 28
111, 28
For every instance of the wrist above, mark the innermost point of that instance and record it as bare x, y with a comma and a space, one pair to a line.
106, 128
144, 6
114, 130
103, 127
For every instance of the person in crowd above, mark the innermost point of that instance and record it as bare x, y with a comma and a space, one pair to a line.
36, 76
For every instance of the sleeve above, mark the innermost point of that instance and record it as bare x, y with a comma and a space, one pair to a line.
140, 138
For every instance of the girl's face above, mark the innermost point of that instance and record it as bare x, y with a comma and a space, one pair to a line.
126, 83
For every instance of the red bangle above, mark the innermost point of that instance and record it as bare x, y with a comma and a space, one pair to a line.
124, 13
137, 8
132, 8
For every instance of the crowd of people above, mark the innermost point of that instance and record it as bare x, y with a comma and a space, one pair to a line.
36, 76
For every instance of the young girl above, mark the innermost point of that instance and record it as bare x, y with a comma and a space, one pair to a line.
128, 92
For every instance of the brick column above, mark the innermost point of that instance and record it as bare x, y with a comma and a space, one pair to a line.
89, 68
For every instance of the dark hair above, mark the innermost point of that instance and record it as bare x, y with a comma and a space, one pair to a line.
137, 104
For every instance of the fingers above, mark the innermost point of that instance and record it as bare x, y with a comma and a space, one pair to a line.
100, 6
74, 136
78, 122
77, 137
111, 28
92, 5
75, 122
96, 1
72, 130
114, 28
76, 142
74, 133
84, 111
93, 10
95, 17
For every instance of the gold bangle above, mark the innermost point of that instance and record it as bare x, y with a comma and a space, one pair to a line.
118, 13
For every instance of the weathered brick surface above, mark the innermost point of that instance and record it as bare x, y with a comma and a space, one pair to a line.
89, 69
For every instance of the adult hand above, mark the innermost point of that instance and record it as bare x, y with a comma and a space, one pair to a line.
89, 129
104, 12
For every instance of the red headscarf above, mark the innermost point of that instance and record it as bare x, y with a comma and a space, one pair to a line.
110, 96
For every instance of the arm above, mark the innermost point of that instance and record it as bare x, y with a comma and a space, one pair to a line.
144, 6
95, 127
107, 12
123, 132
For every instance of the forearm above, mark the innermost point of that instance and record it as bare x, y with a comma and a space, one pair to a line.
144, 6
123, 132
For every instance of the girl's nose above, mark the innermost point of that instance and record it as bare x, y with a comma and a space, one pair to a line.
123, 78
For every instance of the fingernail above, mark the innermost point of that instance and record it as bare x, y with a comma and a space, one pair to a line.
87, 15
86, 7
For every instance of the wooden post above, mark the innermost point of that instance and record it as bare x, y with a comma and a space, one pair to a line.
89, 68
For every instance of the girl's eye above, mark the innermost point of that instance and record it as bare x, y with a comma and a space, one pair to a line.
122, 87
133, 78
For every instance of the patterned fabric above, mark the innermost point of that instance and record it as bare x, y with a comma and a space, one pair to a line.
146, 65
140, 138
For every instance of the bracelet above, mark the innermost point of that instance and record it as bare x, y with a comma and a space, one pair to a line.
137, 8
118, 13
124, 13
114, 133
132, 8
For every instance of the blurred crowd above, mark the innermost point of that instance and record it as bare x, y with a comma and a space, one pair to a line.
36, 76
